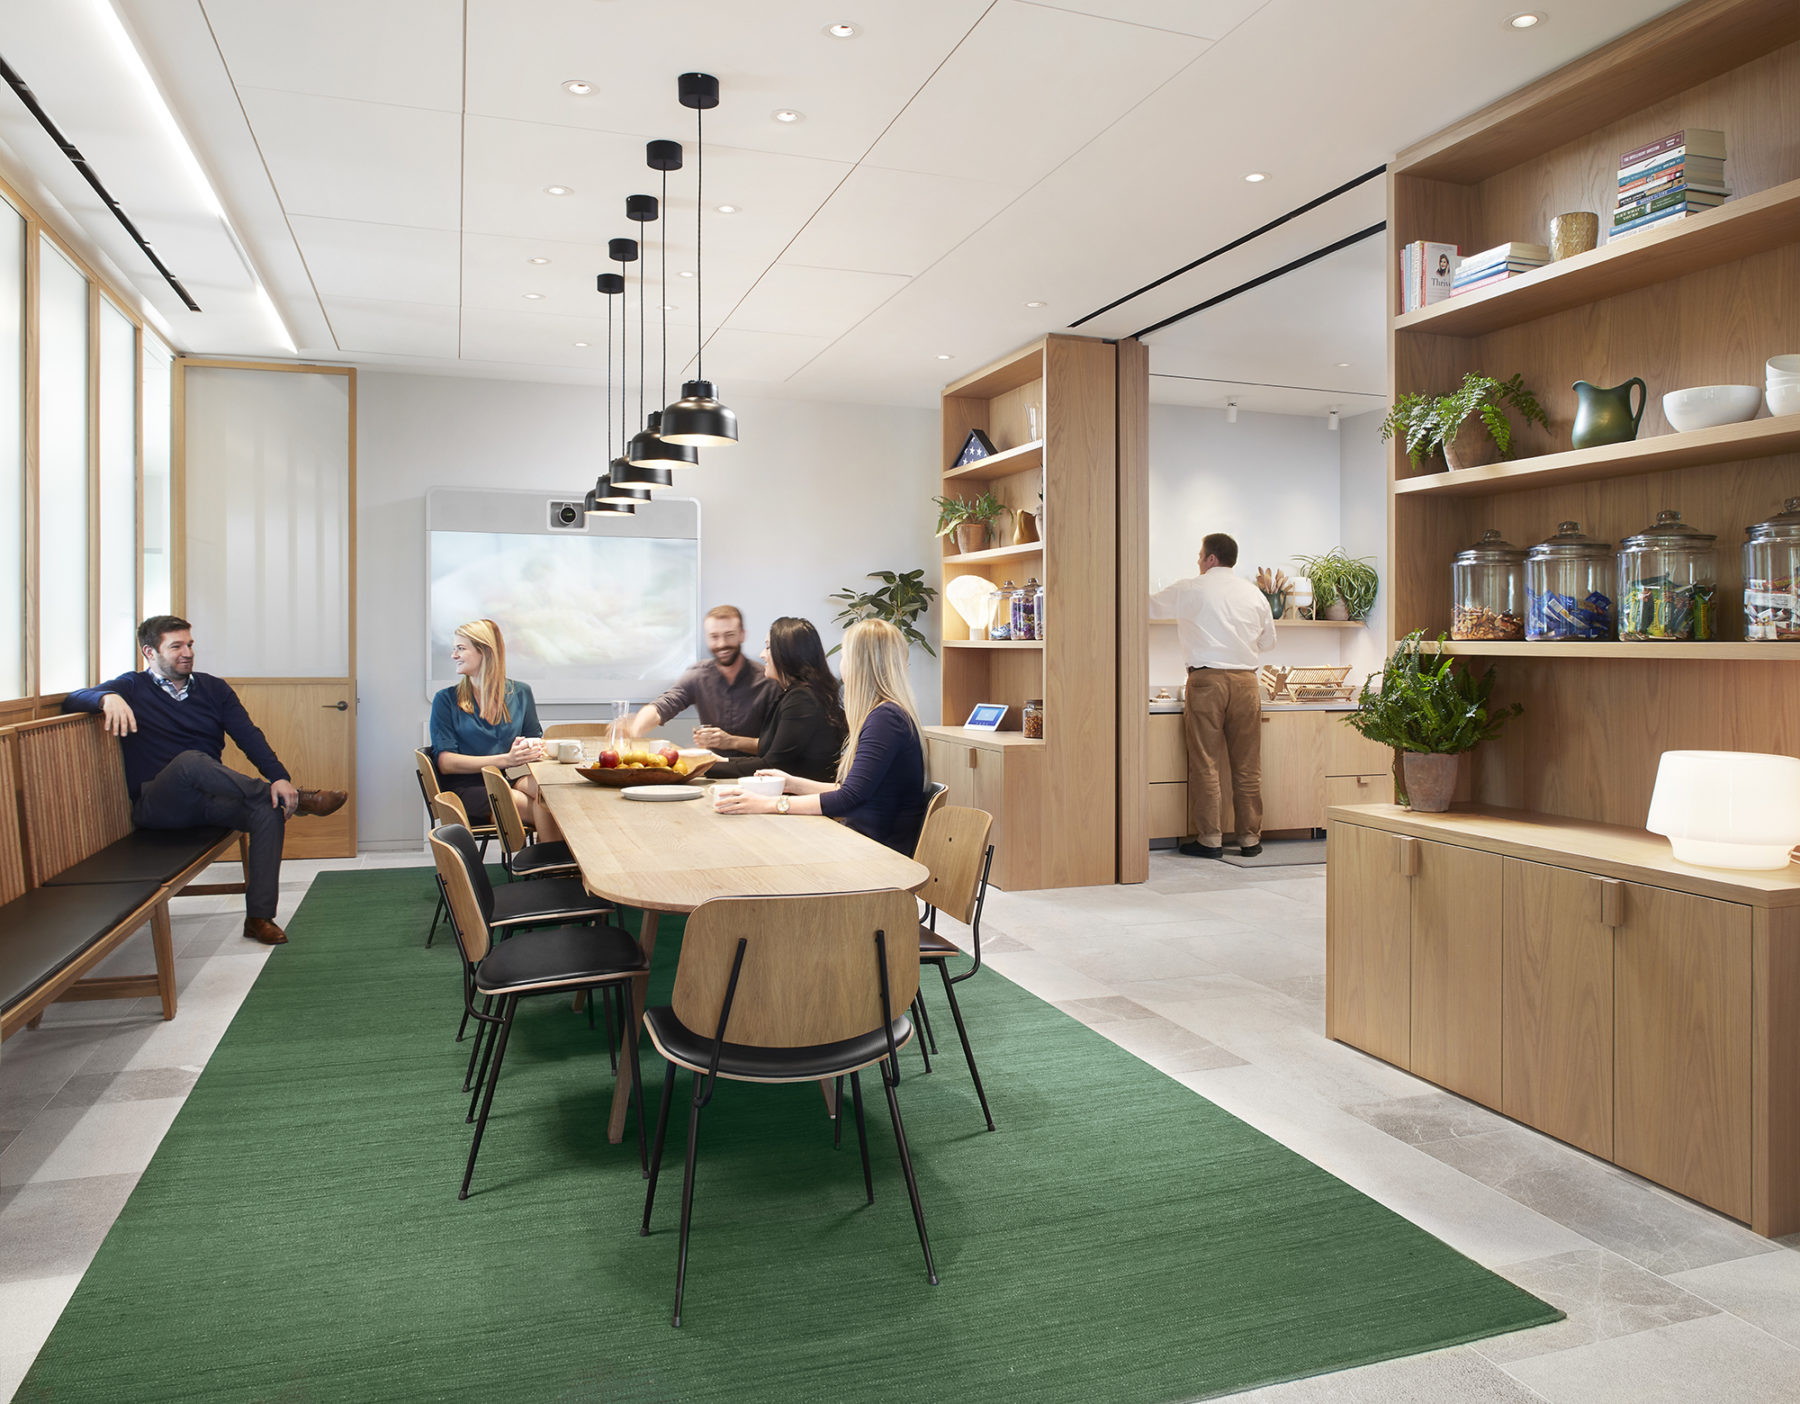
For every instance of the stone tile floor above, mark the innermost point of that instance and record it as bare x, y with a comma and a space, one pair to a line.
1214, 975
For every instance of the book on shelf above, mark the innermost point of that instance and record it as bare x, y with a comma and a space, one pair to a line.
1687, 199
1659, 220
1703, 141
1526, 255
1497, 275
1426, 271
1699, 167
1674, 176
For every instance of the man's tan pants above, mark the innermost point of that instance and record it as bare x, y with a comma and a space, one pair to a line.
1223, 725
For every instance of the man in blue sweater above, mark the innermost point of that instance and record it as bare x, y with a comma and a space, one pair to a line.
172, 723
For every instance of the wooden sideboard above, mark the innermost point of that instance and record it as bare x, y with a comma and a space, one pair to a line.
1575, 977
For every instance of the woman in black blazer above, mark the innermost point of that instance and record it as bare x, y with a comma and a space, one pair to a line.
806, 731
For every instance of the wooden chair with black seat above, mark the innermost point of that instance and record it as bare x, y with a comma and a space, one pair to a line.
525, 858
431, 785
788, 989
543, 961
954, 846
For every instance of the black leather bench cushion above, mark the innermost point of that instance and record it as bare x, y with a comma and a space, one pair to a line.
143, 855
48, 927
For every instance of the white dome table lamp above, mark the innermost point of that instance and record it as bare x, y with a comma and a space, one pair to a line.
968, 596
1727, 809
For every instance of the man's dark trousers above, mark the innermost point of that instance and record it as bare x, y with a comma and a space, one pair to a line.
195, 789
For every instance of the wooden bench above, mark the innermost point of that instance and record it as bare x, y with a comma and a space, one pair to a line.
76, 879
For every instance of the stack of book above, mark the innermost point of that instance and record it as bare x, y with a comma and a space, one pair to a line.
1671, 178
1426, 271
1498, 264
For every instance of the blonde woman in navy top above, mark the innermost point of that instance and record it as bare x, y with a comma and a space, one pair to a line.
487, 719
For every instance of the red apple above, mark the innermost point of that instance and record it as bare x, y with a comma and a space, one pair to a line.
609, 760
669, 753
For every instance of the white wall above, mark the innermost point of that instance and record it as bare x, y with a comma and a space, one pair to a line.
1362, 494
812, 498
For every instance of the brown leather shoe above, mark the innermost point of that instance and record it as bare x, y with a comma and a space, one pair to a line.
264, 930
321, 801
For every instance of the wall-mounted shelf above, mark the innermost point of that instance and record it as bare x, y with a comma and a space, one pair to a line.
1303, 623
996, 553
1730, 443
993, 643
1749, 224
1729, 651
999, 465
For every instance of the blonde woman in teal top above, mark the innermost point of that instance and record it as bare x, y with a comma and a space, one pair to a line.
487, 719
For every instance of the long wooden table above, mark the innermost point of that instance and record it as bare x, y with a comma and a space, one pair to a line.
671, 857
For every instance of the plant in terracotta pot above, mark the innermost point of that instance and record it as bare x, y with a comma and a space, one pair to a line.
1469, 427
1343, 587
971, 521
1431, 711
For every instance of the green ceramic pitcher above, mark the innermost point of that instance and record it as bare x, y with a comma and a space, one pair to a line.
1606, 416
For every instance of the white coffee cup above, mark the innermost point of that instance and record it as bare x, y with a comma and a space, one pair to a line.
565, 749
769, 786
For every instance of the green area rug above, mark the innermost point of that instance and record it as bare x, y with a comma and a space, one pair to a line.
298, 1235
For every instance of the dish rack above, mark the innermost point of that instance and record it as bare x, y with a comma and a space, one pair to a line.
1306, 684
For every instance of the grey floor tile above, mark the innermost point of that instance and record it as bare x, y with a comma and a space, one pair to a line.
1604, 1296
1431, 1116
1108, 1010
1169, 1047
148, 1084
1442, 1377
55, 1228
67, 1143
1715, 1359
1764, 1290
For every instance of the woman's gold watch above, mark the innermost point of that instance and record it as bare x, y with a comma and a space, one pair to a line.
781, 805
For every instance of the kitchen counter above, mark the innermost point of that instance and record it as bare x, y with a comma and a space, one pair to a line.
1174, 706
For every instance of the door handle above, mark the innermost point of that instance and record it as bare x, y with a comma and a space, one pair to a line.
1410, 852
974, 758
337, 706
1612, 902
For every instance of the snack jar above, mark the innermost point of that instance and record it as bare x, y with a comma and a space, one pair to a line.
1024, 612
1487, 583
1000, 613
1568, 587
1771, 570
1039, 616
1668, 575
1034, 719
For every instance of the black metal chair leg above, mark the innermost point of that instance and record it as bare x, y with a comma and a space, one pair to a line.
637, 1073
837, 1114
862, 1134
925, 1022
487, 1054
687, 1198
606, 1013
918, 1018
963, 1034
487, 1100
656, 1147
436, 917
463, 1026
912, 1185
481, 1026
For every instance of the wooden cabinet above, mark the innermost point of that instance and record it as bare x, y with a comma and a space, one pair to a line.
1455, 948
1368, 947
1294, 750
1000, 773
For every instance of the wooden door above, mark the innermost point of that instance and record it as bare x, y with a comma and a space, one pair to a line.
1682, 1031
1358, 789
1557, 1001
1293, 769
312, 728
1456, 970
1368, 949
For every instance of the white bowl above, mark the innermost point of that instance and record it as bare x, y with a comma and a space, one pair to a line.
1784, 367
1708, 406
1784, 398
768, 786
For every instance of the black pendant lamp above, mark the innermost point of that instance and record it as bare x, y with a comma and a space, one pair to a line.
697, 419
621, 475
600, 500
654, 474
648, 448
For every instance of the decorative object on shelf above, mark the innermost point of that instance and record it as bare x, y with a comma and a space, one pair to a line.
971, 521
1031, 423
1000, 612
648, 448
1300, 599
1668, 179
1606, 416
1470, 427
1346, 587
1668, 574
1274, 586
1573, 233
1496, 265
1032, 719
1781, 385
1567, 580
968, 596
1024, 531
975, 448
902, 598
1771, 567
1024, 611
1038, 615
1727, 809
697, 419
1427, 275
1487, 586
1709, 406
1431, 710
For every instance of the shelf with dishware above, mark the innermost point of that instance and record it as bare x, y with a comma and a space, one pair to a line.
994, 643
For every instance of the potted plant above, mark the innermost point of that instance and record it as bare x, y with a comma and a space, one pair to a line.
971, 521
1342, 587
901, 599
1469, 426
1431, 711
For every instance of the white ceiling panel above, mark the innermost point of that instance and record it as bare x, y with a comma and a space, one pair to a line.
1209, 19
766, 57
392, 328
407, 52
1260, 399
733, 357
359, 160
883, 221
387, 262
1026, 89
801, 301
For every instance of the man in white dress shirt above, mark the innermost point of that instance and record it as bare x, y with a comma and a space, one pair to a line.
1224, 626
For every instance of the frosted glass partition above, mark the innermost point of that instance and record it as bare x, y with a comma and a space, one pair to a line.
267, 488
118, 490
62, 472
12, 452
155, 488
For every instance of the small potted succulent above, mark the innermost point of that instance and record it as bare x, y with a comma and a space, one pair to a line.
1469, 427
1431, 711
1342, 587
973, 522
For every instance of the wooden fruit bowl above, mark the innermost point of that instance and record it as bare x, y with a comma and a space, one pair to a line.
619, 776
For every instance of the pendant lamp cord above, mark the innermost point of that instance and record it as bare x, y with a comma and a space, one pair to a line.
662, 237
641, 262
624, 355
609, 320
699, 256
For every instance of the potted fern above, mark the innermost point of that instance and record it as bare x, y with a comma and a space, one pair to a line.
1431, 711
1470, 427
971, 521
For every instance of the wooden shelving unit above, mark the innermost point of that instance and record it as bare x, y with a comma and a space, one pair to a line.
990, 643
996, 553
999, 465
1623, 651
1298, 623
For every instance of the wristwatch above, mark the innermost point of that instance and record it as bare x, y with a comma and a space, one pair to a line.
781, 805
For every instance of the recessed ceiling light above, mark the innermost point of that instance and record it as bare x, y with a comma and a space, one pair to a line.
787, 114
727, 209
945, 356
534, 297
670, 307
558, 190
1257, 177
579, 88
537, 260
1342, 365
1527, 19
582, 344
1034, 304
686, 273
842, 31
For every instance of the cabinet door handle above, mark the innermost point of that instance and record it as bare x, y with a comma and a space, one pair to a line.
1612, 902
1409, 857
974, 758
336, 706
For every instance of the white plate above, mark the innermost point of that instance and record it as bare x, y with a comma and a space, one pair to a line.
661, 793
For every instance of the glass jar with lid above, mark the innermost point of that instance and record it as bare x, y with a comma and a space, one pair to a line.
1038, 616
1033, 719
1487, 584
1772, 576
1024, 612
1668, 574
1000, 613
1568, 587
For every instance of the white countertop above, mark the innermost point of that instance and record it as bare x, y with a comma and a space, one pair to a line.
1174, 707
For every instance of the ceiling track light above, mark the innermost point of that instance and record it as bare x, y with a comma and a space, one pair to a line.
1331, 420
600, 500
648, 449
1231, 411
698, 419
